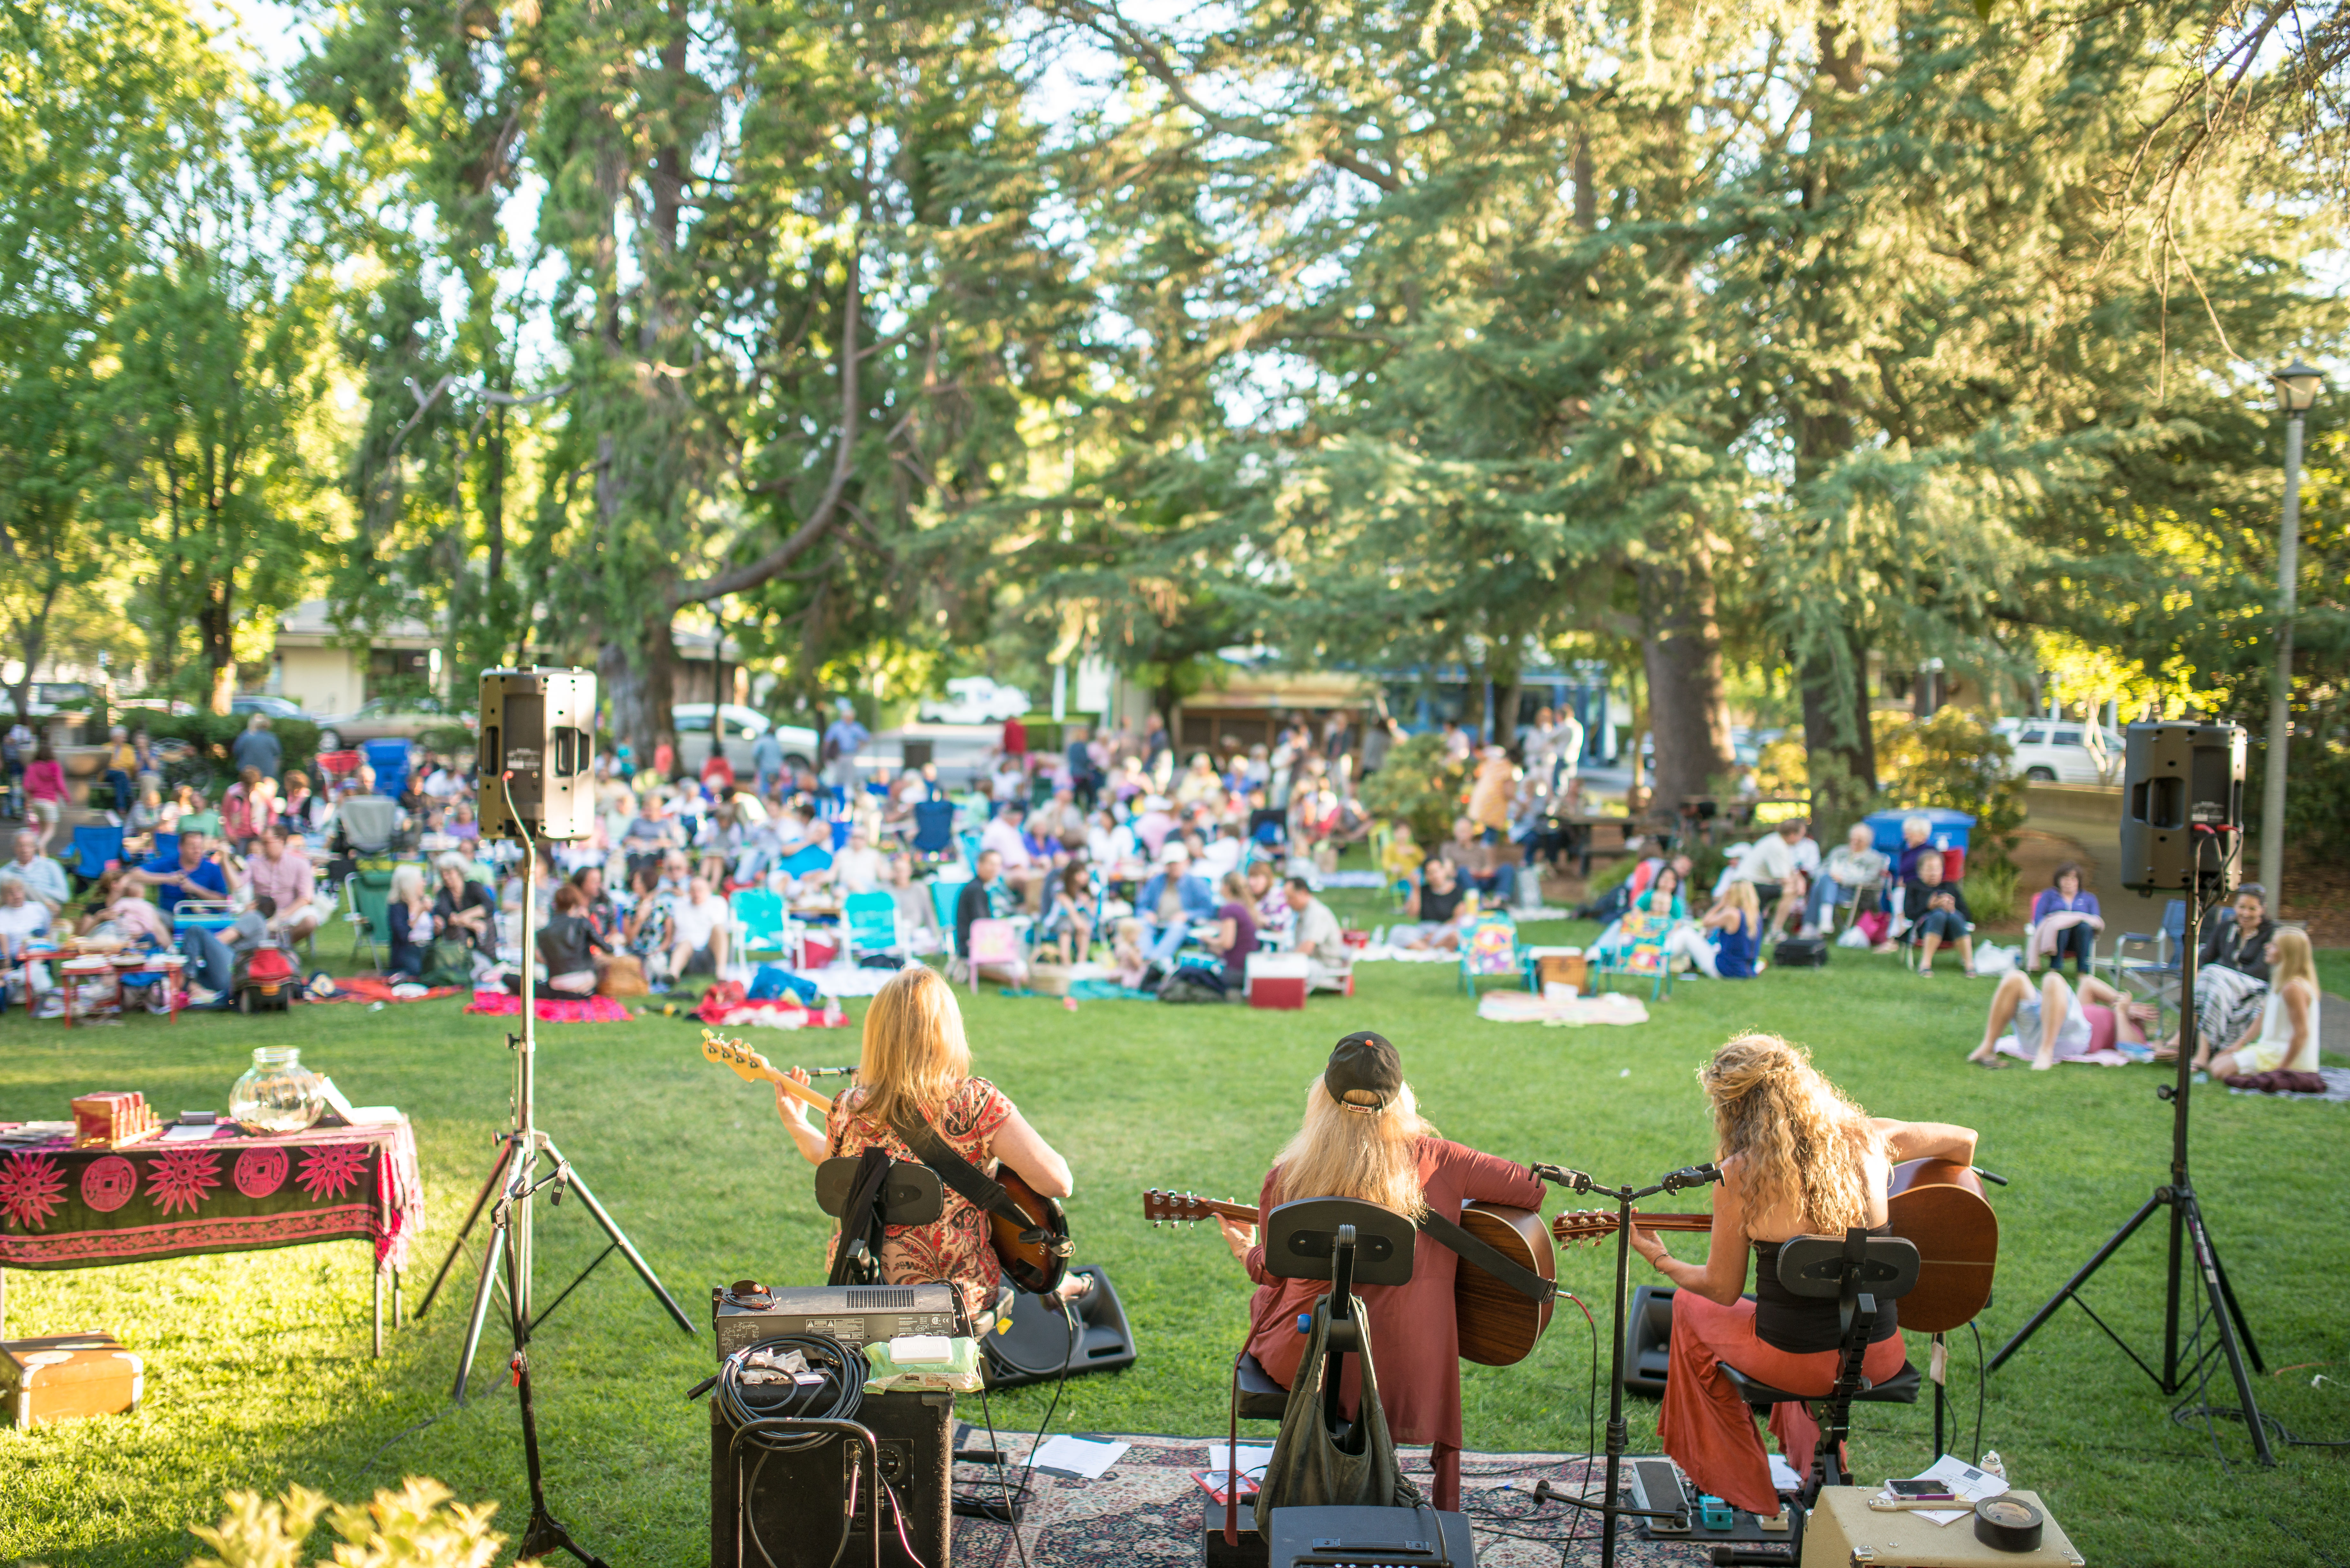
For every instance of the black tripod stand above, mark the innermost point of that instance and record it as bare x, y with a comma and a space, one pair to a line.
1609, 1509
515, 1179
2188, 1230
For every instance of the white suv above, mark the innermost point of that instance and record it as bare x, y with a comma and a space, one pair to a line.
742, 727
2065, 751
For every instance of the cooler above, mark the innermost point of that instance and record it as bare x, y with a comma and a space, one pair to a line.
66, 1376
1276, 979
1947, 831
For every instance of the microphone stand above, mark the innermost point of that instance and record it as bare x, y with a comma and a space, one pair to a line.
1578, 1181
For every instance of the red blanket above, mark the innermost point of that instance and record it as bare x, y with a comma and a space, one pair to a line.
373, 988
553, 1009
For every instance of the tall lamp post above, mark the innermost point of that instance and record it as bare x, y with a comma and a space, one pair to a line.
2297, 387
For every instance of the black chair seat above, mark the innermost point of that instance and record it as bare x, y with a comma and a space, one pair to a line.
1261, 1398
1901, 1389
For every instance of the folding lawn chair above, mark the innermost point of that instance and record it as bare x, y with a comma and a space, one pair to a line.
1639, 954
992, 941
2155, 976
1490, 946
869, 923
763, 924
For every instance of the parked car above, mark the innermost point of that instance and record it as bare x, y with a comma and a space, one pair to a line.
2064, 750
263, 703
388, 718
739, 729
975, 699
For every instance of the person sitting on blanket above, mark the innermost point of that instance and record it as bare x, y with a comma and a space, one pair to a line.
1438, 908
1319, 937
2285, 1038
2064, 920
698, 933
569, 943
1727, 944
2057, 1023
2232, 976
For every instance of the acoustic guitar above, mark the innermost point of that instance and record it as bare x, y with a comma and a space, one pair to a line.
1036, 1265
1936, 1205
1499, 1327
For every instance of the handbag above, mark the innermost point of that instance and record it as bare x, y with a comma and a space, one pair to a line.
1308, 1468
1874, 924
621, 975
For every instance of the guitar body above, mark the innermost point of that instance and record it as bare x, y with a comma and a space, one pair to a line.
1499, 1327
1937, 1206
1034, 1267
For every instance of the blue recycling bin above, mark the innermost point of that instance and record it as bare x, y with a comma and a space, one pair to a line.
389, 761
1950, 828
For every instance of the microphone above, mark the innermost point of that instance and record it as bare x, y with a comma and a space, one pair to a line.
1559, 1176
1692, 1175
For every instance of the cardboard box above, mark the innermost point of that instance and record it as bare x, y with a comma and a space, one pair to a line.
68, 1376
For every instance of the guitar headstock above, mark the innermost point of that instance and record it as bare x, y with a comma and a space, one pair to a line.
1570, 1226
1175, 1207
748, 1064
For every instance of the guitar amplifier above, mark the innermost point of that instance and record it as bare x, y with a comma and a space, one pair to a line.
1370, 1538
788, 1509
857, 1315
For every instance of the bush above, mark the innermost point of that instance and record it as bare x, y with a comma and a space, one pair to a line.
1420, 785
1990, 887
1954, 760
415, 1527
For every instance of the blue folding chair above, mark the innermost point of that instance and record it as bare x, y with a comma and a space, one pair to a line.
933, 826
95, 848
763, 922
803, 860
870, 920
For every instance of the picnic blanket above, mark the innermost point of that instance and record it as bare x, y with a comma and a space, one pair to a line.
2114, 1056
2334, 1085
374, 988
726, 1006
1566, 1011
552, 1009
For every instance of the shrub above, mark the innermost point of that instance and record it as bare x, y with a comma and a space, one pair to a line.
1954, 760
1990, 887
1420, 785
416, 1527
211, 734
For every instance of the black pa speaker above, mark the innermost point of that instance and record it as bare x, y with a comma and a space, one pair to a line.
537, 753
2182, 807
1648, 1339
786, 1508
1034, 1344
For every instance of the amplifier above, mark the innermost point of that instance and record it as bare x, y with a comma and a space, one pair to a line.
1370, 1538
856, 1315
788, 1509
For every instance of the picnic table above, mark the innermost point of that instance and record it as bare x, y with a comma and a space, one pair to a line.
67, 1208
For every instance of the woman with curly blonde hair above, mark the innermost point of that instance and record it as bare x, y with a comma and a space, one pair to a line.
1363, 1136
1797, 1160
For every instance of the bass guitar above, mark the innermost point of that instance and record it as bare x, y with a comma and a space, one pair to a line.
1499, 1327
1936, 1205
1033, 1251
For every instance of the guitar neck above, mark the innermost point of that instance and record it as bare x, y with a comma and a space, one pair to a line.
1184, 1209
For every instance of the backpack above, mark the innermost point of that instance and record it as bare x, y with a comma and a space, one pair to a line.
1801, 953
1188, 986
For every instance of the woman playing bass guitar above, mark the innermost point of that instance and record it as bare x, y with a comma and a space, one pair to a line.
916, 1066
1798, 1159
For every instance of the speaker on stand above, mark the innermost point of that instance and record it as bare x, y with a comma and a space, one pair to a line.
2182, 808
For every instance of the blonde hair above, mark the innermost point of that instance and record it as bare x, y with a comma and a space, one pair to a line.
915, 1054
1741, 897
1342, 1152
1800, 1143
2293, 960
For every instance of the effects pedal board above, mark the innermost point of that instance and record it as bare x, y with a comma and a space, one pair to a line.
857, 1315
1657, 1484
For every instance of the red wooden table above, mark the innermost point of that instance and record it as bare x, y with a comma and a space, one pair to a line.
67, 1207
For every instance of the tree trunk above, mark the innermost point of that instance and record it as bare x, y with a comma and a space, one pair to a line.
641, 689
1680, 648
216, 624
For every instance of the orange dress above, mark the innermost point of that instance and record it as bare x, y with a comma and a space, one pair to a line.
955, 1247
1414, 1337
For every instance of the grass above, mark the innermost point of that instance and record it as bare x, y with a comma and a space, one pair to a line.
259, 1373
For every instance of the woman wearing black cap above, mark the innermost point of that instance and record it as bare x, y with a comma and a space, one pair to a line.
1363, 1137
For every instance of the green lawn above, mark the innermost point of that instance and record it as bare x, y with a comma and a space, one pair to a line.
258, 1366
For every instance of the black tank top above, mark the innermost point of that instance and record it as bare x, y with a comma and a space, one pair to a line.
1801, 1324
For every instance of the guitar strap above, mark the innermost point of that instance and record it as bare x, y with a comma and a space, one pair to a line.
1522, 1280
984, 1191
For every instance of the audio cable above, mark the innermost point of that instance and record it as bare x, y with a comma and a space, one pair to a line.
827, 1384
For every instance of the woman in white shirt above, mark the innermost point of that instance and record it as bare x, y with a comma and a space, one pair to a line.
2285, 1039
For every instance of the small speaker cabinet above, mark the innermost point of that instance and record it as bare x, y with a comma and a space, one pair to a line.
538, 730
2182, 807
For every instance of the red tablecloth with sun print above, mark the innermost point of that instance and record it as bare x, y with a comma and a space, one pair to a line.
67, 1207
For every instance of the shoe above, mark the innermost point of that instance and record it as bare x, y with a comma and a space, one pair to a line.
200, 996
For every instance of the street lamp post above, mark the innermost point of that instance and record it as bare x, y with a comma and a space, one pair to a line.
2297, 387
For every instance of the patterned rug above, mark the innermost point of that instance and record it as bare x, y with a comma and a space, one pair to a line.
1147, 1509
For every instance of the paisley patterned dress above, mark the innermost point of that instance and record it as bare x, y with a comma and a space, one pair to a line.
955, 1247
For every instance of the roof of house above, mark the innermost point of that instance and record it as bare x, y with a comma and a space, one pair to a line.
311, 624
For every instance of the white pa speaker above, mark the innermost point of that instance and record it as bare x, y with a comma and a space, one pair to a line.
538, 743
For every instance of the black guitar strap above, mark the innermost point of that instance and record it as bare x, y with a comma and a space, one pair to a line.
967, 1179
1522, 1280
861, 1222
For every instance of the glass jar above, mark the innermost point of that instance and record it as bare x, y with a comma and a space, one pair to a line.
276, 1093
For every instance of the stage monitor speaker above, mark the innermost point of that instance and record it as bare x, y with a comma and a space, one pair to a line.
538, 743
2182, 807
1035, 1346
1648, 1339
792, 1501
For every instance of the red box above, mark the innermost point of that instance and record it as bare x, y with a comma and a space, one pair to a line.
819, 951
1279, 992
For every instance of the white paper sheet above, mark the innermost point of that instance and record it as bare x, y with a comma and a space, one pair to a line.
1253, 1458
1782, 1475
1078, 1456
1966, 1481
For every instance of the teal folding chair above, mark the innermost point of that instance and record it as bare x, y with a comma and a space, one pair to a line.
763, 923
870, 921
